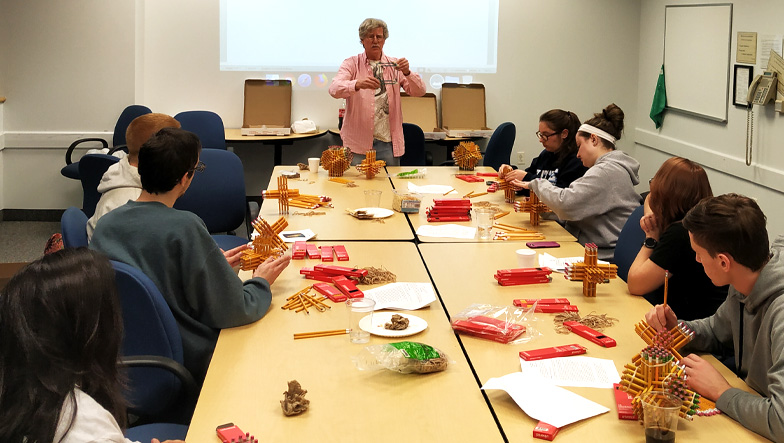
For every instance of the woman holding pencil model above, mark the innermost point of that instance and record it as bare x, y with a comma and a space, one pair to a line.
677, 186
558, 162
595, 206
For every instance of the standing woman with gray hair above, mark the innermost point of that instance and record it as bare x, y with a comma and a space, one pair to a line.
370, 82
596, 206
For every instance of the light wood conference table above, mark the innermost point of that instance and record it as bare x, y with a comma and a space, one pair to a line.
252, 365
445, 175
234, 135
477, 263
336, 224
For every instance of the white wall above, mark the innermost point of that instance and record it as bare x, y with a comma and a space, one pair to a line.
70, 75
718, 147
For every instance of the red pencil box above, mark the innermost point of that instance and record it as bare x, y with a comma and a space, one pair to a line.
489, 328
347, 287
451, 202
546, 301
340, 252
547, 309
623, 400
470, 178
330, 291
299, 250
313, 251
522, 280
450, 218
326, 253
556, 351
312, 274
448, 210
590, 334
341, 270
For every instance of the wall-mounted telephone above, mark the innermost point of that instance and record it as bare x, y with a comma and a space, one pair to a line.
761, 91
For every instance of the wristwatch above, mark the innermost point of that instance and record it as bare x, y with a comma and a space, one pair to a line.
650, 243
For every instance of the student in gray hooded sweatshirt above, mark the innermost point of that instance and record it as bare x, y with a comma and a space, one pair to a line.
595, 206
729, 238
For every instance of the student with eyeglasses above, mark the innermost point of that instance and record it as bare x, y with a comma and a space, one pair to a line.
558, 162
595, 206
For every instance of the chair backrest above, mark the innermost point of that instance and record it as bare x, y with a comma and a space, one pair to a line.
217, 194
415, 146
499, 148
207, 125
73, 223
126, 117
629, 242
91, 169
149, 329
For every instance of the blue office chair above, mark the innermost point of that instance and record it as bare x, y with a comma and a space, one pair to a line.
73, 223
207, 125
629, 242
499, 148
91, 169
160, 387
71, 168
217, 196
415, 154
161, 431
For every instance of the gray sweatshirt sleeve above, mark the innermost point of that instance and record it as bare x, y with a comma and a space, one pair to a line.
569, 203
713, 334
763, 415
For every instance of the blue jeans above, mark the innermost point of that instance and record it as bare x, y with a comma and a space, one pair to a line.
383, 152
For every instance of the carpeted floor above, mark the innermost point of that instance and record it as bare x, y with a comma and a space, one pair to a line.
22, 242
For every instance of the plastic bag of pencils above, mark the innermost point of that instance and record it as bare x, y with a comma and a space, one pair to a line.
405, 357
504, 324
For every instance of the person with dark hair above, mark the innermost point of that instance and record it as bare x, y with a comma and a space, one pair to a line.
60, 338
558, 162
595, 206
370, 82
730, 240
121, 181
677, 186
176, 251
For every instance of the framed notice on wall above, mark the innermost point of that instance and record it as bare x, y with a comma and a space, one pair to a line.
740, 85
698, 63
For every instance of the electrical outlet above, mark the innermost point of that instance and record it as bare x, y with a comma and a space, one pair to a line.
521, 158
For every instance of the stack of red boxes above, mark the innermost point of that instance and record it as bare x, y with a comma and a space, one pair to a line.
340, 276
449, 210
523, 276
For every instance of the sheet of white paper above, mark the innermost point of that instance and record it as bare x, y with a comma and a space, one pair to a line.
451, 231
292, 236
559, 264
400, 295
577, 371
545, 402
429, 189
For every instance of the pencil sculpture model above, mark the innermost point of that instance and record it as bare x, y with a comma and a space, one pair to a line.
590, 271
267, 244
533, 206
656, 368
467, 155
336, 160
370, 166
291, 197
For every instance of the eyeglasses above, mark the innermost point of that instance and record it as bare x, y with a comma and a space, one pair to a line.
200, 167
543, 137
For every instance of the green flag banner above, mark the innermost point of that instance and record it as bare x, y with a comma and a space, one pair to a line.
659, 100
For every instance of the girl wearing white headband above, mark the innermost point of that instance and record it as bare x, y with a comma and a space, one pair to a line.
595, 207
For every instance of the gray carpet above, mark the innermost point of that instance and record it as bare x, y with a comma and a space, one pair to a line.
22, 242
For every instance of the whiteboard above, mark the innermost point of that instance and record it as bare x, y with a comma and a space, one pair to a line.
697, 42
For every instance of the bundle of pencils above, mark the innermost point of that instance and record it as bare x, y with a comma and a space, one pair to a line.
341, 180
302, 300
509, 232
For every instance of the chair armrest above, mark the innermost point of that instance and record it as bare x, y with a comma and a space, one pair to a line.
123, 148
80, 141
156, 361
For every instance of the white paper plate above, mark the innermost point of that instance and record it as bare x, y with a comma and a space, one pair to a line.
415, 324
377, 212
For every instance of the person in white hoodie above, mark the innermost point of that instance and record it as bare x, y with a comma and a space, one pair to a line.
121, 181
595, 206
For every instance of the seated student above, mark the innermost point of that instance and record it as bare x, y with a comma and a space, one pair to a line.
175, 250
678, 185
558, 162
595, 206
60, 338
121, 182
730, 240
